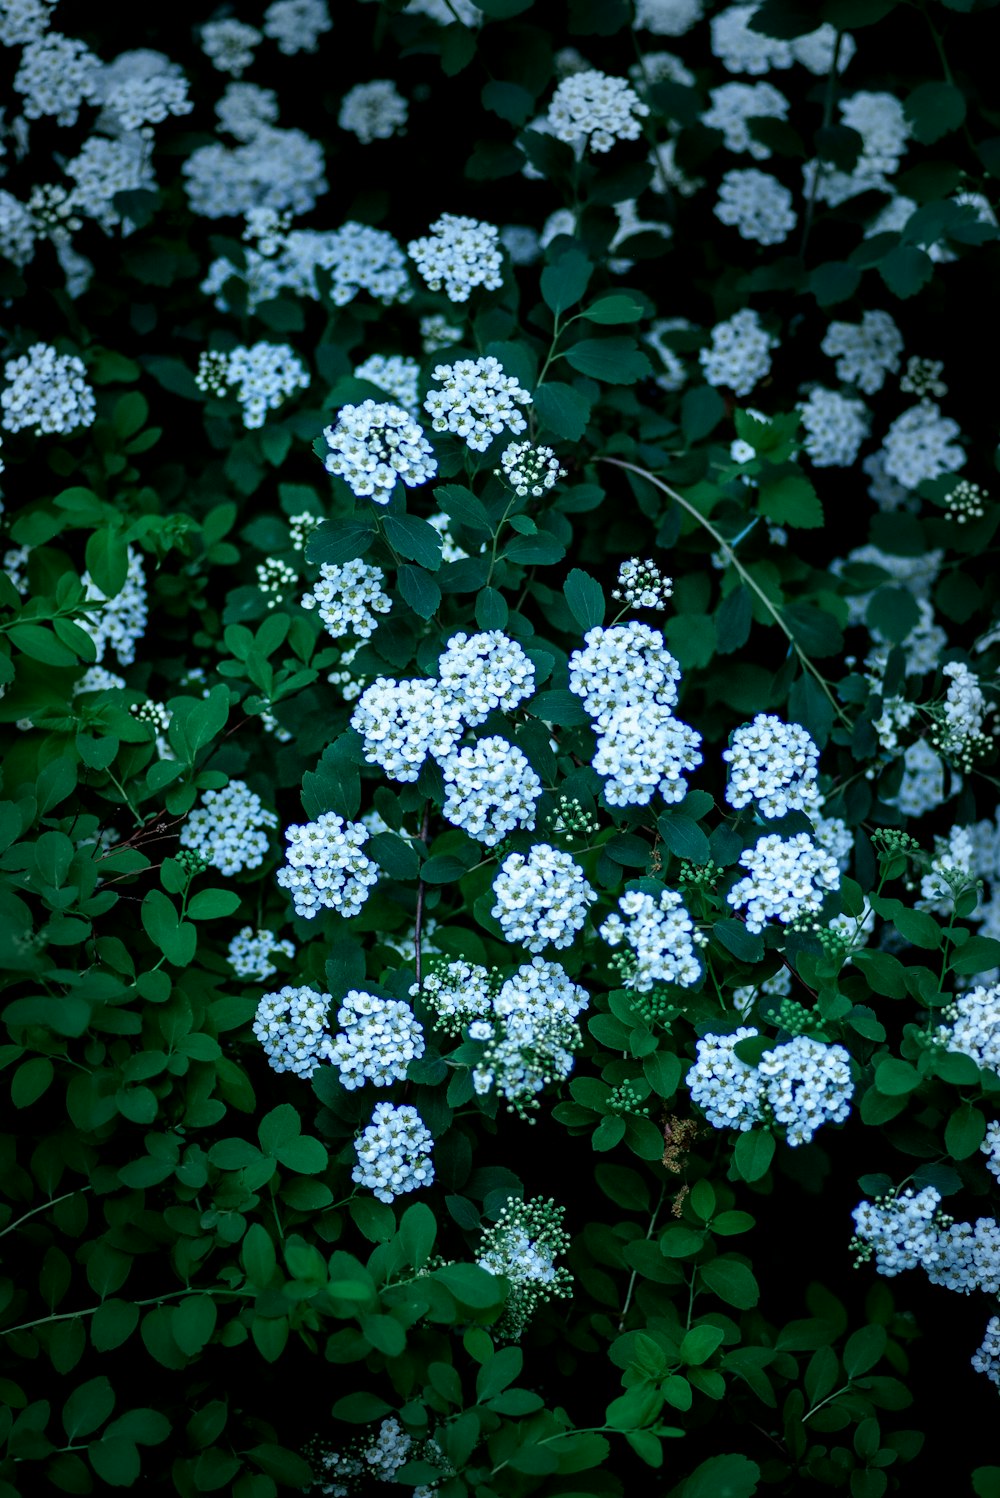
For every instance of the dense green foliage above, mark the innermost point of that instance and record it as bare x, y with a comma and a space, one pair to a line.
195, 1289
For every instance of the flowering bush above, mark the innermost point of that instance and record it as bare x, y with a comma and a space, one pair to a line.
499, 843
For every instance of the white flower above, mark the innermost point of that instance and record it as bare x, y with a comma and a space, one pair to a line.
377, 1041
917, 445
735, 104
250, 953
261, 377
325, 868
348, 596
594, 110
484, 673
541, 898
48, 391
757, 205
726, 1089
865, 352
740, 353
296, 25
374, 445
291, 1026
227, 829
786, 880
458, 254
477, 401
660, 934
835, 427
373, 111
623, 665
394, 1153
229, 45
56, 75
490, 789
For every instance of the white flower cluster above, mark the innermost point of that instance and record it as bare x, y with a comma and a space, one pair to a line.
458, 254
485, 673
476, 401
986, 1358
968, 1257
541, 898
740, 354
643, 749
918, 445
276, 579
261, 377
490, 789
952, 867
964, 709
726, 1089
880, 120
402, 722
373, 111
348, 595
901, 1230
355, 256
922, 788
522, 1245
291, 1026
592, 110
378, 1039
774, 764
436, 333
865, 352
530, 469
667, 17
121, 621
396, 374
802, 1084
627, 680
973, 1026
99, 679
250, 953
325, 868
458, 992
227, 829
757, 205
806, 1084
244, 110
991, 1148
641, 585
103, 168
18, 230
735, 104
24, 21
833, 834
786, 879
144, 99
394, 1153
48, 391
229, 45
741, 50
530, 1034
280, 169
624, 665
378, 1457
56, 75
373, 445
835, 427
296, 25
661, 936
923, 377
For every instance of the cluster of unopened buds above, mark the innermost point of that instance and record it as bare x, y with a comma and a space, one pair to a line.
967, 501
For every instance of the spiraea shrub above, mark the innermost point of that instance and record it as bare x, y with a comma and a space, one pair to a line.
499, 834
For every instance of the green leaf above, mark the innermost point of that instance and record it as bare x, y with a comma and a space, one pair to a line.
906, 270
462, 506
893, 612
418, 589
700, 1343
702, 408
585, 598
617, 360
415, 539
834, 282
732, 620
896, 1078
977, 955
40, 644
564, 283
161, 921
965, 1131
791, 500
731, 1281
540, 550
107, 560
684, 838
753, 1154
617, 308
115, 1460
559, 706
213, 904
509, 100
919, 928
112, 1324
341, 540
30, 1081
748, 946
934, 109
306, 1156
863, 1350
192, 1323
417, 1232
473, 1286
88, 1407
562, 410
728, 1476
